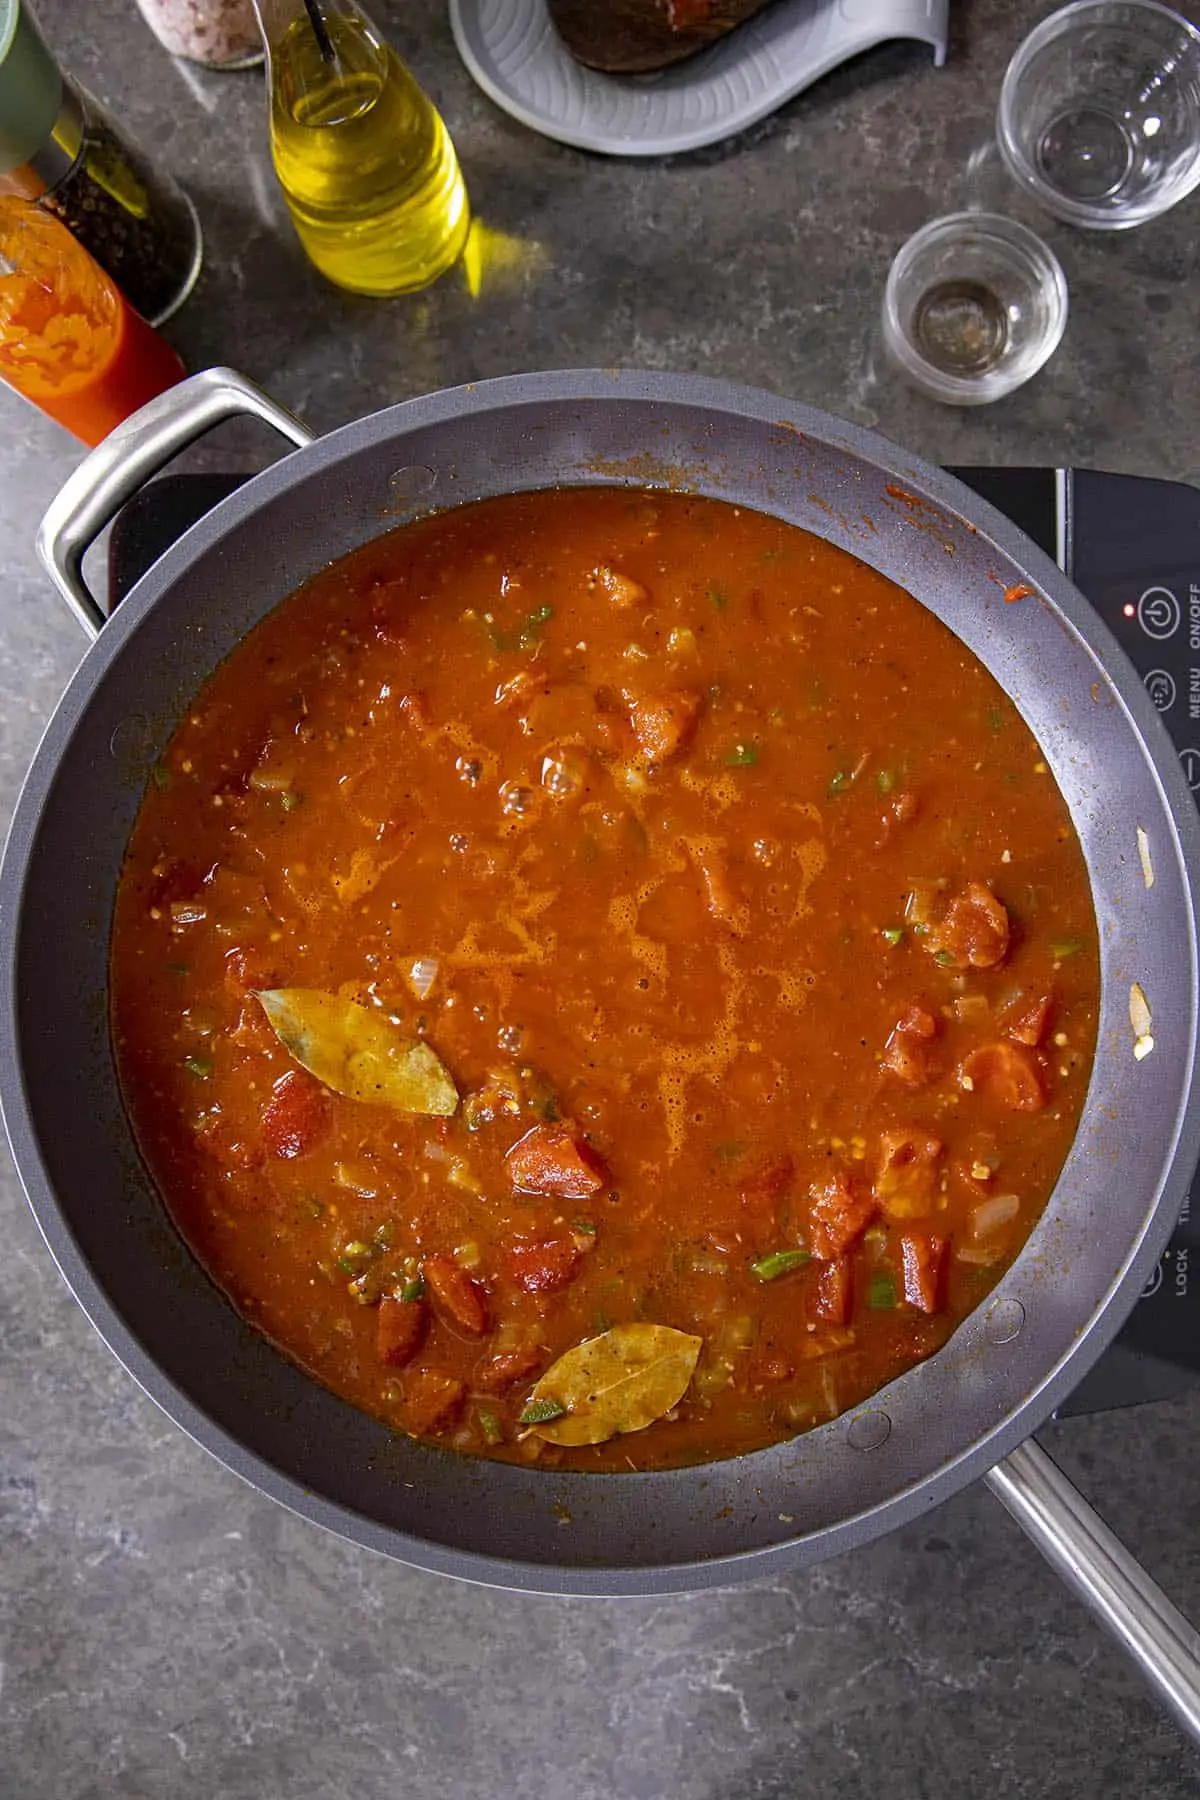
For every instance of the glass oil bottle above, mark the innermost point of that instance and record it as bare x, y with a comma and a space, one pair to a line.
366, 165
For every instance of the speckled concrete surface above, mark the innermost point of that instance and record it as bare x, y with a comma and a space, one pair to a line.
164, 1632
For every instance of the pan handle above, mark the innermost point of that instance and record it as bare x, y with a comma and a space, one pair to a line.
1112, 1584
137, 449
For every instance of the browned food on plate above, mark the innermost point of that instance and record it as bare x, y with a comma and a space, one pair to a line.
632, 37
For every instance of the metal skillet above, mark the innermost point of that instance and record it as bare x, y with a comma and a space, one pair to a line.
965, 1414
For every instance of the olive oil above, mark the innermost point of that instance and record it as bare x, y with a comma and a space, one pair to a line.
366, 165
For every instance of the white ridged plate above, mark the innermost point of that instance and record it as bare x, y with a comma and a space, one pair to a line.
517, 57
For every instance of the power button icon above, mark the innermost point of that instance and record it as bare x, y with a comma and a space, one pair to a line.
1159, 612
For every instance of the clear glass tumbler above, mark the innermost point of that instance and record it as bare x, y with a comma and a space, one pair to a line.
1099, 114
974, 305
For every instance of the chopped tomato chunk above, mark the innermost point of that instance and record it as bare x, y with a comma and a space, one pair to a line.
762, 1189
838, 1217
906, 1174
1006, 1074
974, 932
908, 1051
620, 589
1027, 1019
833, 1291
457, 1300
902, 809
430, 1400
399, 1330
923, 1261
663, 725
554, 1159
544, 1267
248, 969
723, 904
505, 1370
297, 1116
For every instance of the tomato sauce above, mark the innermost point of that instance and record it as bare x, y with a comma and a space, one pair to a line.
713, 900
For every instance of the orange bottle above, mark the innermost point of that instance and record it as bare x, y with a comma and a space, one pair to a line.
69, 340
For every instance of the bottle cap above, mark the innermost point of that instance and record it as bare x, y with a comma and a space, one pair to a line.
31, 86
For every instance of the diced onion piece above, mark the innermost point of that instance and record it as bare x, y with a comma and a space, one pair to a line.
272, 781
187, 912
422, 975
712, 1378
468, 1255
358, 1178
514, 1334
978, 1256
735, 1333
971, 1006
460, 1176
990, 1214
438, 1153
1143, 844
1142, 1047
705, 1264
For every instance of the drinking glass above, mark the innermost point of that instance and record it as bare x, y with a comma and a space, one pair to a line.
1099, 114
974, 305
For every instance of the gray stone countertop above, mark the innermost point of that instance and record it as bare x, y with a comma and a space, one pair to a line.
167, 1633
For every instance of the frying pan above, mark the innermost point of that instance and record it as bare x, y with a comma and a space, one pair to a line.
969, 1411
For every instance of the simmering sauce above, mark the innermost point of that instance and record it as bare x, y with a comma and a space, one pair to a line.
604, 926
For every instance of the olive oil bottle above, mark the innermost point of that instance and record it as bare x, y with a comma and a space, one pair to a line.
365, 163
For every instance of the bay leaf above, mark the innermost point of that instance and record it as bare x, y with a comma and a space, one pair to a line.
620, 1381
357, 1052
